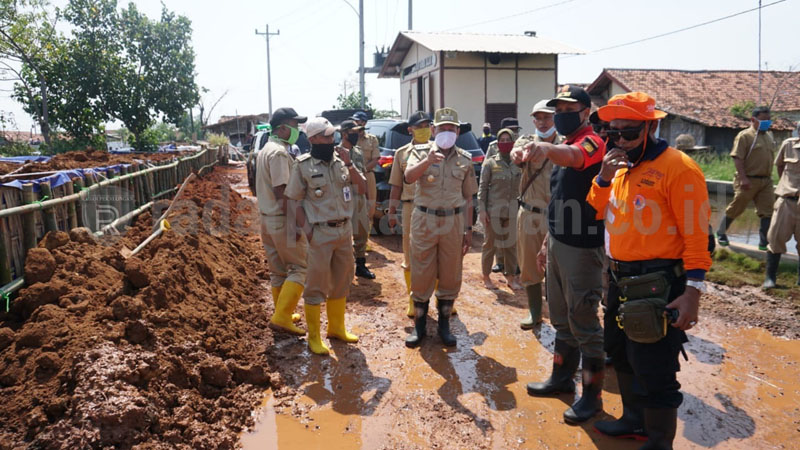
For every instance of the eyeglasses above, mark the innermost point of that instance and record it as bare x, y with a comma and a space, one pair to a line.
629, 134
599, 127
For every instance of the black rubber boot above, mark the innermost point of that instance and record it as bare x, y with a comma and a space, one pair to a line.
722, 237
771, 280
565, 363
762, 233
631, 424
420, 322
660, 425
591, 401
361, 269
534, 294
445, 309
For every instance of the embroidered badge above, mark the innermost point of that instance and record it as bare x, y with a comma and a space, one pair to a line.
589, 145
639, 202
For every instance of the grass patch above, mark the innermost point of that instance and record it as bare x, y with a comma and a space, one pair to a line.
737, 269
720, 167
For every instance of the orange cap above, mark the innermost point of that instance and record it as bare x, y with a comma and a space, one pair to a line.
630, 106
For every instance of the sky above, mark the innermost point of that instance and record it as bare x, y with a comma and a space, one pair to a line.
315, 57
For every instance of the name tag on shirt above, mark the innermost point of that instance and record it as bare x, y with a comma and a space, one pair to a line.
347, 194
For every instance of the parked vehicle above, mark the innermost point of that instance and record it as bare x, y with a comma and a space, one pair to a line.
393, 134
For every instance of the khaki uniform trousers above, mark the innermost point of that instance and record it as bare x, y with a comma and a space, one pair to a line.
531, 230
372, 193
408, 208
436, 254
761, 192
574, 283
285, 254
330, 263
785, 223
501, 238
361, 226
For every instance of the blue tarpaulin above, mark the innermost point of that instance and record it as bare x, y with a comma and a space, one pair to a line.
63, 176
24, 159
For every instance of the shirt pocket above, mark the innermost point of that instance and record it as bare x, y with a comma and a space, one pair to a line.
318, 186
457, 175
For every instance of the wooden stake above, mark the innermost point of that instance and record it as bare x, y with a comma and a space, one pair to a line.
72, 215
77, 186
48, 214
28, 219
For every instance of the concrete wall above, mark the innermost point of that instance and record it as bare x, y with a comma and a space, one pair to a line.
670, 129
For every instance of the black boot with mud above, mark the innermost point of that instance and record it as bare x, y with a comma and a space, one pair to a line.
420, 322
631, 424
534, 294
445, 309
591, 401
361, 269
722, 231
660, 425
763, 228
565, 363
771, 279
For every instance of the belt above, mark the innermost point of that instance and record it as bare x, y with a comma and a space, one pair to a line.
440, 212
407, 201
530, 208
791, 197
632, 268
758, 177
334, 223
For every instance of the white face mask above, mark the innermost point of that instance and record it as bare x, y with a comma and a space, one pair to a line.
546, 134
446, 139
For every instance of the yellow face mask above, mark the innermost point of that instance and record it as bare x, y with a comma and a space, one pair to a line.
422, 135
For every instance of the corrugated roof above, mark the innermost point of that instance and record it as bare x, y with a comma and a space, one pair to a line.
706, 96
471, 42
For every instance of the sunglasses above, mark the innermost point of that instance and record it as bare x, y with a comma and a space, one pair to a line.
629, 134
599, 128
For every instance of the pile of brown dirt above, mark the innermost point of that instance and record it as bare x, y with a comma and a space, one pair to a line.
165, 349
84, 160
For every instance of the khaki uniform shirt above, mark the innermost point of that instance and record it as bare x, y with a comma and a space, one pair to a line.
273, 168
397, 176
499, 187
324, 188
759, 161
368, 144
444, 185
789, 157
538, 193
491, 150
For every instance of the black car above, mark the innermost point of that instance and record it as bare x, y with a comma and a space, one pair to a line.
393, 134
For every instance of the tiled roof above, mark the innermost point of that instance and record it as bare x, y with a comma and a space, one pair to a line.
706, 96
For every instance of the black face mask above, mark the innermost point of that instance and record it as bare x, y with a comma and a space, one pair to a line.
568, 122
635, 154
353, 138
323, 152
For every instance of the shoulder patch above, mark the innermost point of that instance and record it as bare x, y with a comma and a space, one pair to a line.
589, 145
304, 157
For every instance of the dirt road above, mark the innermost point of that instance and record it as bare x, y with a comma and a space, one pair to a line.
739, 383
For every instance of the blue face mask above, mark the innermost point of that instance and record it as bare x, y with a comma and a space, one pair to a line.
763, 125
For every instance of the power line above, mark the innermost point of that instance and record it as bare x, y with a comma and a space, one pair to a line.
686, 28
523, 13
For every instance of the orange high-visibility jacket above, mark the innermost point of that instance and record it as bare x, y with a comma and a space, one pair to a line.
658, 209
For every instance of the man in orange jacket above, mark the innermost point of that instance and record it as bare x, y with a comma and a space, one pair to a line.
655, 204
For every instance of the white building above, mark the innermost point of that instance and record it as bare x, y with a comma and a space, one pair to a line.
485, 77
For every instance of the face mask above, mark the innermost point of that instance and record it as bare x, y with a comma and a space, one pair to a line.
446, 139
295, 133
763, 125
422, 135
505, 147
546, 134
353, 138
322, 151
487, 131
568, 122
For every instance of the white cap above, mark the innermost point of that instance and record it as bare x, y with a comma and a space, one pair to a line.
541, 106
319, 125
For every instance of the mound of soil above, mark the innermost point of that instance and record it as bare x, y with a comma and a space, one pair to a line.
165, 349
84, 160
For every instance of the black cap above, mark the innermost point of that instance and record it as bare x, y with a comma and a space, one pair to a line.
594, 118
417, 118
509, 122
360, 116
282, 114
572, 94
349, 125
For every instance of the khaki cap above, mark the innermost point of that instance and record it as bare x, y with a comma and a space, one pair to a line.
445, 115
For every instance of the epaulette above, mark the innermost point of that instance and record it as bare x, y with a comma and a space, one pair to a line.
304, 157
464, 153
422, 146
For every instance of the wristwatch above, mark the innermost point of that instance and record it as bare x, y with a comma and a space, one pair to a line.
699, 285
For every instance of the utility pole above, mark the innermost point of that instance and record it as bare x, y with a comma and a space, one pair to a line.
759, 52
267, 34
410, 15
361, 51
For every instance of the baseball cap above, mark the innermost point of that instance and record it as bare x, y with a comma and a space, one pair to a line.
349, 125
509, 122
319, 125
360, 115
541, 106
630, 106
487, 125
571, 94
281, 114
418, 117
445, 115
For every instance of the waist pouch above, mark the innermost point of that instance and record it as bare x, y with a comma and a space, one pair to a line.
643, 307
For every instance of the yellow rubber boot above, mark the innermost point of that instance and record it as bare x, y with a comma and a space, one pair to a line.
410, 310
336, 327
287, 302
315, 343
276, 294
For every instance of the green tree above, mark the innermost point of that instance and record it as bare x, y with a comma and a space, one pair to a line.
352, 101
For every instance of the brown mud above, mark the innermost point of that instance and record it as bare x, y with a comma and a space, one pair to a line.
84, 160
